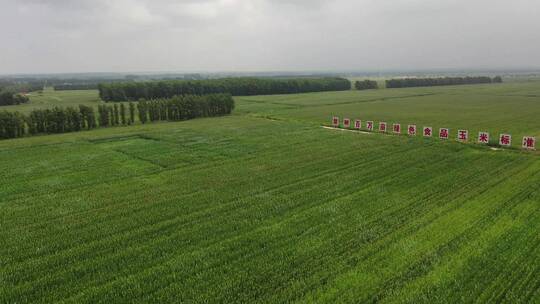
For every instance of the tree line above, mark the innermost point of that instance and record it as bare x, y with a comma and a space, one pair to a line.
366, 84
185, 107
14, 93
443, 81
131, 91
71, 119
8, 98
21, 87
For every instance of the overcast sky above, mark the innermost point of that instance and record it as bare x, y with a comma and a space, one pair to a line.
47, 36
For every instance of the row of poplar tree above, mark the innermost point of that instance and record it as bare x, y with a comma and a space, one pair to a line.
366, 84
126, 91
429, 82
71, 119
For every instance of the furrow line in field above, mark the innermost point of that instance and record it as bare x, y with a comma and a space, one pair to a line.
377, 249
393, 231
263, 154
428, 261
511, 273
240, 181
451, 268
203, 166
315, 226
320, 177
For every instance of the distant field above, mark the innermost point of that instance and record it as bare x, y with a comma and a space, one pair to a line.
50, 98
264, 206
498, 108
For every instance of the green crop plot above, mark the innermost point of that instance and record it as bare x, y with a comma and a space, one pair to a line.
264, 206
506, 108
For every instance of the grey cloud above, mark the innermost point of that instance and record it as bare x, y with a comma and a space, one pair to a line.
210, 35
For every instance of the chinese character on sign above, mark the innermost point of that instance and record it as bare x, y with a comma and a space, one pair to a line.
369, 125
411, 130
397, 128
358, 124
505, 140
382, 126
428, 131
335, 121
463, 135
483, 137
346, 123
443, 133
529, 143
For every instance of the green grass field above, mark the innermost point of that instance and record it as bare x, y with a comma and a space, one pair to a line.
265, 206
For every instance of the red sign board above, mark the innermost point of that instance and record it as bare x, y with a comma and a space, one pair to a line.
358, 124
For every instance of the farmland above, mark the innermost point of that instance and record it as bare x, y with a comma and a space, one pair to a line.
50, 98
265, 206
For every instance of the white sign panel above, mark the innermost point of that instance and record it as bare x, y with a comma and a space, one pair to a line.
396, 128
411, 130
335, 121
505, 140
463, 135
529, 143
428, 131
483, 137
369, 125
382, 126
444, 133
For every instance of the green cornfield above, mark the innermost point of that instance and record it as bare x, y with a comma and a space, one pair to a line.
265, 206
